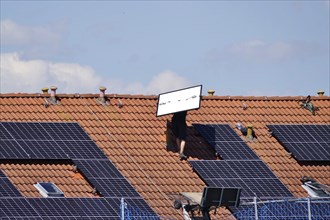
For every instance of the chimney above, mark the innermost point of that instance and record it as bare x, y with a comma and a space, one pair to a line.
53, 93
249, 134
211, 92
102, 99
320, 93
45, 90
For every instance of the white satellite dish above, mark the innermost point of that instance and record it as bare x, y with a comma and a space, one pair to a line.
179, 100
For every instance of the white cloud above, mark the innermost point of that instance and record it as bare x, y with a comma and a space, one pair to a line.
19, 75
29, 76
16, 34
166, 81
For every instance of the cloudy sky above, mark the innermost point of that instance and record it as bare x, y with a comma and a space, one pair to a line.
250, 48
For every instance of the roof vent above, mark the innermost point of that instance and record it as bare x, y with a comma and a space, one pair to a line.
314, 188
53, 100
306, 104
211, 92
48, 189
45, 90
248, 131
320, 93
102, 99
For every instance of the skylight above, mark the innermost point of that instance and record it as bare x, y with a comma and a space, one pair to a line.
48, 189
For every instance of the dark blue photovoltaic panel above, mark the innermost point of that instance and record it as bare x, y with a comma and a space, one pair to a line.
98, 168
26, 130
305, 142
141, 205
225, 141
16, 207
81, 149
10, 149
4, 134
65, 131
7, 189
235, 150
2, 174
114, 187
43, 149
217, 132
253, 176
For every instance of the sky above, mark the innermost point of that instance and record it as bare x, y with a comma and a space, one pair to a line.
237, 48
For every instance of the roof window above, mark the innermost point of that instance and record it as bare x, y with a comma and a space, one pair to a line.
48, 189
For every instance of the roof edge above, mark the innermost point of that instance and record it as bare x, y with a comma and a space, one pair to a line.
77, 95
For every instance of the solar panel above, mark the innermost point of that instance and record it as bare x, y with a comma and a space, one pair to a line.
253, 176
235, 150
98, 168
65, 131
72, 207
114, 187
7, 189
26, 130
16, 207
2, 174
225, 141
4, 134
43, 149
10, 149
140, 205
77, 149
305, 142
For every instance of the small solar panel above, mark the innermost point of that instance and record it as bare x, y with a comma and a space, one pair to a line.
305, 142
78, 149
43, 149
120, 188
10, 149
16, 207
98, 168
65, 131
7, 189
225, 141
253, 176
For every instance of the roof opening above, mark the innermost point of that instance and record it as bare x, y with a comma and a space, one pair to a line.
48, 189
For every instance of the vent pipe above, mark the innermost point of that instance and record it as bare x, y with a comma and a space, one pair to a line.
45, 90
102, 99
249, 134
320, 93
211, 92
53, 93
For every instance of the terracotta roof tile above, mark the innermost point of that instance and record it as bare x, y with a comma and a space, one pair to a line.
135, 140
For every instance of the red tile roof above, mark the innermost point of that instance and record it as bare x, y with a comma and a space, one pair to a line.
138, 142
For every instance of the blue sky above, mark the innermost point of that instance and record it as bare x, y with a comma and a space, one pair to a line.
249, 48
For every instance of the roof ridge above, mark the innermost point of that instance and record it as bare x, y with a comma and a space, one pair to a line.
140, 96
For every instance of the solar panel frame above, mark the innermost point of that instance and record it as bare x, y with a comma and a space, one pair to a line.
2, 174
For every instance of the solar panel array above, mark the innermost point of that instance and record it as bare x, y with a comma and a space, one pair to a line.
106, 178
225, 141
240, 166
33, 140
305, 142
253, 176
